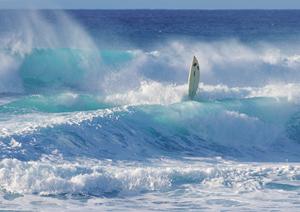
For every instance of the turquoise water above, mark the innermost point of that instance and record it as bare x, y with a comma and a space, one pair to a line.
94, 113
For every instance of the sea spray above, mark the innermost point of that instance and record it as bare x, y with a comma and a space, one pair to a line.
94, 111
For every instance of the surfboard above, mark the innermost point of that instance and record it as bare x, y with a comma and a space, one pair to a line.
194, 77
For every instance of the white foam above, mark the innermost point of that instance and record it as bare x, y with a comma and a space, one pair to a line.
164, 177
153, 92
29, 123
149, 93
31, 30
9, 77
225, 62
289, 91
15, 144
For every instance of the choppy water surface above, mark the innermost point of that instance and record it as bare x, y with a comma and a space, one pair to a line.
94, 113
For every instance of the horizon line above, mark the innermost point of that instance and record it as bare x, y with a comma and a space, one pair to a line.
147, 9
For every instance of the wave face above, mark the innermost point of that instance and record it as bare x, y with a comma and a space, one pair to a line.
94, 112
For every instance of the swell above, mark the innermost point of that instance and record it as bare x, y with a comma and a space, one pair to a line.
59, 103
242, 129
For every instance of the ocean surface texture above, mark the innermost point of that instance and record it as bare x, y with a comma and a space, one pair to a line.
94, 113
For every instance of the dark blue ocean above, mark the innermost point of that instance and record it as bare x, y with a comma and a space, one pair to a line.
95, 114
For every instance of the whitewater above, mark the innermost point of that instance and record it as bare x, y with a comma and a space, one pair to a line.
95, 115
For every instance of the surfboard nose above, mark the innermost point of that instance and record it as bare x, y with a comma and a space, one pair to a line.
195, 61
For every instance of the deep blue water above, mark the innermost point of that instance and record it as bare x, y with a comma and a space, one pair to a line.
143, 28
147, 27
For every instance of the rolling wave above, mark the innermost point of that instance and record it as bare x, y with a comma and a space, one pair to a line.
245, 129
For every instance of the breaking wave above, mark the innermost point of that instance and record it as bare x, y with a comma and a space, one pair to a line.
82, 119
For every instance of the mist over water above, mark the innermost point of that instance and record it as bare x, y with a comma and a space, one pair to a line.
94, 108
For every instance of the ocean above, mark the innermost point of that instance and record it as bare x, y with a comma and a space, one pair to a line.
95, 115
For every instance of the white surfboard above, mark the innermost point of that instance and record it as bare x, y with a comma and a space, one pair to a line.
194, 77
